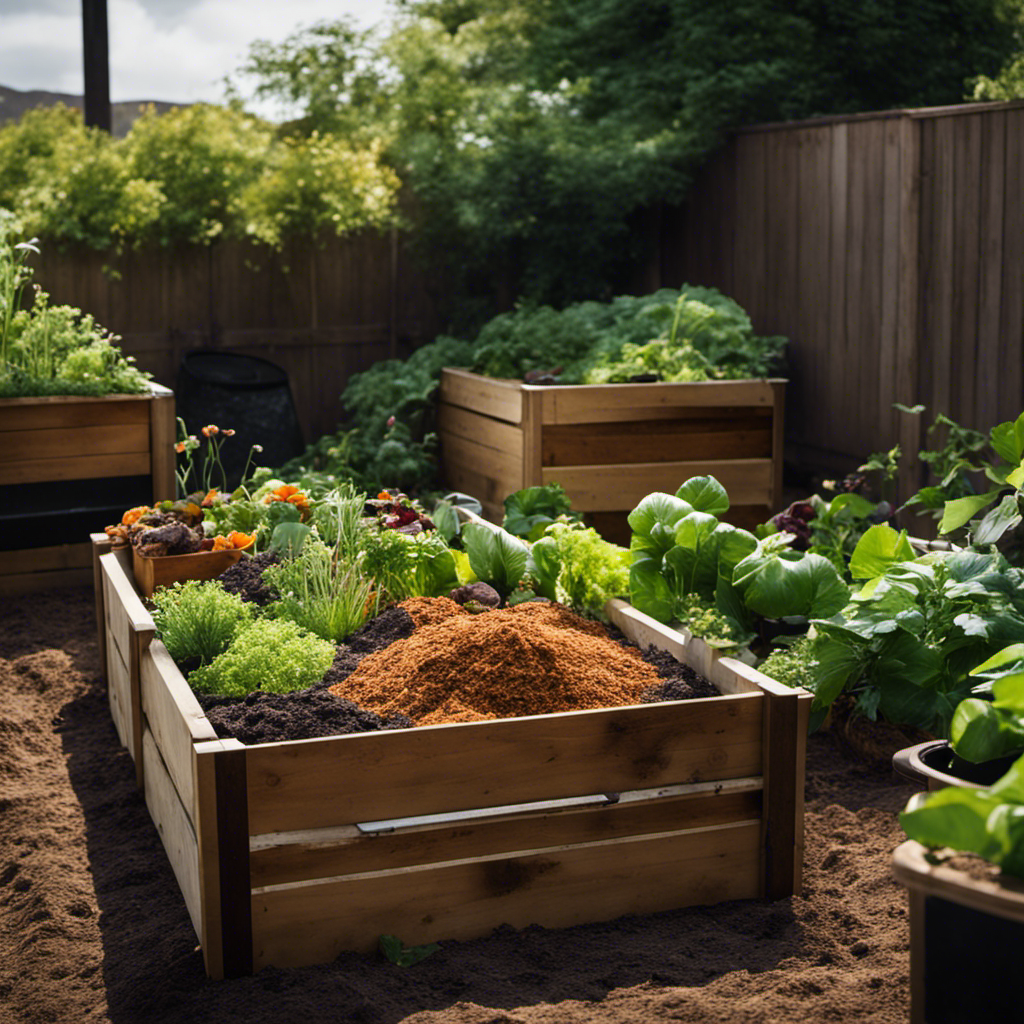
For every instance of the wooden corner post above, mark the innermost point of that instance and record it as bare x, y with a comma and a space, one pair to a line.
786, 712
222, 831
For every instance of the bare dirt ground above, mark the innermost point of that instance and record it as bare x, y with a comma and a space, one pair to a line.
93, 928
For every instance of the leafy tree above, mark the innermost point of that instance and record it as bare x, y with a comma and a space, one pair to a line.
532, 132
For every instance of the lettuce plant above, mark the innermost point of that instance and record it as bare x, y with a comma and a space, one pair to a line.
198, 619
680, 548
990, 723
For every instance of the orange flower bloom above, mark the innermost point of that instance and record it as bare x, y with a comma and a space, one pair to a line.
284, 492
384, 496
210, 430
179, 447
133, 515
228, 432
221, 544
240, 540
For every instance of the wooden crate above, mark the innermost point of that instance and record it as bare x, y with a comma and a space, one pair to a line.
289, 853
609, 445
73, 439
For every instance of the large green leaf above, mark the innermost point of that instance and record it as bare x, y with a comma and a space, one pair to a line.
960, 511
648, 589
495, 556
1007, 440
879, 548
980, 732
997, 522
657, 509
705, 494
955, 817
779, 587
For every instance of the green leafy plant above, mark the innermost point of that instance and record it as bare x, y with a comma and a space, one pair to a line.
904, 645
404, 956
198, 619
273, 655
680, 547
321, 593
988, 822
990, 723
590, 570
530, 511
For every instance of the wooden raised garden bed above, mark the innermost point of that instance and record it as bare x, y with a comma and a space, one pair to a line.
69, 464
609, 445
289, 853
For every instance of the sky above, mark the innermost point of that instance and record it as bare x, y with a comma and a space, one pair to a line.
173, 50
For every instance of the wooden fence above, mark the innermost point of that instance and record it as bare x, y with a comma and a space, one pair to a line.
321, 311
890, 249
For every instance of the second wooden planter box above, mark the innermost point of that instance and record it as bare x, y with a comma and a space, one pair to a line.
609, 445
289, 853
53, 450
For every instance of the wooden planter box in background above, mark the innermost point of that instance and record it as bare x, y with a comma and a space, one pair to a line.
67, 440
609, 445
289, 853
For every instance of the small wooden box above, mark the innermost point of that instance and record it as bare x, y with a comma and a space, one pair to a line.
289, 853
609, 445
151, 573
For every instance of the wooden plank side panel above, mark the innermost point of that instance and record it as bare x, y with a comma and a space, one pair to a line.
27, 414
81, 467
611, 403
501, 399
435, 769
174, 824
62, 443
175, 720
664, 441
614, 487
552, 888
318, 854
489, 474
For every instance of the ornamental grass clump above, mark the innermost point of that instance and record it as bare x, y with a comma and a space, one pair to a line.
198, 619
272, 655
320, 592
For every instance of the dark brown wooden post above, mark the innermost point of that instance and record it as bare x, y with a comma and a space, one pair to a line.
95, 51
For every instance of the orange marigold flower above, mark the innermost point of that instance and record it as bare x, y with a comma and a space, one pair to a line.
228, 432
240, 540
210, 430
384, 496
179, 447
221, 543
133, 515
285, 491
297, 499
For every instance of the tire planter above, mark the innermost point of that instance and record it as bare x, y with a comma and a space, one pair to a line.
77, 462
289, 853
609, 445
965, 940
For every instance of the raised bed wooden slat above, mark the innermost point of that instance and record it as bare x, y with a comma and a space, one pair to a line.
304, 849
555, 888
394, 774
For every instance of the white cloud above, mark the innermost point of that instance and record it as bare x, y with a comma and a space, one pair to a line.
175, 50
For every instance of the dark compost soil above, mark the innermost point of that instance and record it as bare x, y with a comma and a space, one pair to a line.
93, 928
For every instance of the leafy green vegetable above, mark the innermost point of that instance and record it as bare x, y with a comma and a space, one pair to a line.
530, 511
986, 729
198, 619
590, 569
402, 955
273, 655
988, 822
495, 556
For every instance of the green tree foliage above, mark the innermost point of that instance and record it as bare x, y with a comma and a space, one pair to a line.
532, 132
194, 175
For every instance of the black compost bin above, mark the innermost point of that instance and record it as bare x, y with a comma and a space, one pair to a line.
247, 394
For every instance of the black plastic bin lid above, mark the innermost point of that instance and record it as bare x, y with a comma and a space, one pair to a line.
232, 371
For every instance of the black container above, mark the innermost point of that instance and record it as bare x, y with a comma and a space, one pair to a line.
246, 394
934, 765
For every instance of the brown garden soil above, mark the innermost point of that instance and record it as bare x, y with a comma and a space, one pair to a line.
93, 928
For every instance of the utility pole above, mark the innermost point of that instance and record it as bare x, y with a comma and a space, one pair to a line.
95, 49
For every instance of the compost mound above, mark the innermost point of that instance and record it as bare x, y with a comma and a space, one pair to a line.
531, 659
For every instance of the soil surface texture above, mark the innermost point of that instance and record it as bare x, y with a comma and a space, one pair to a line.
93, 927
